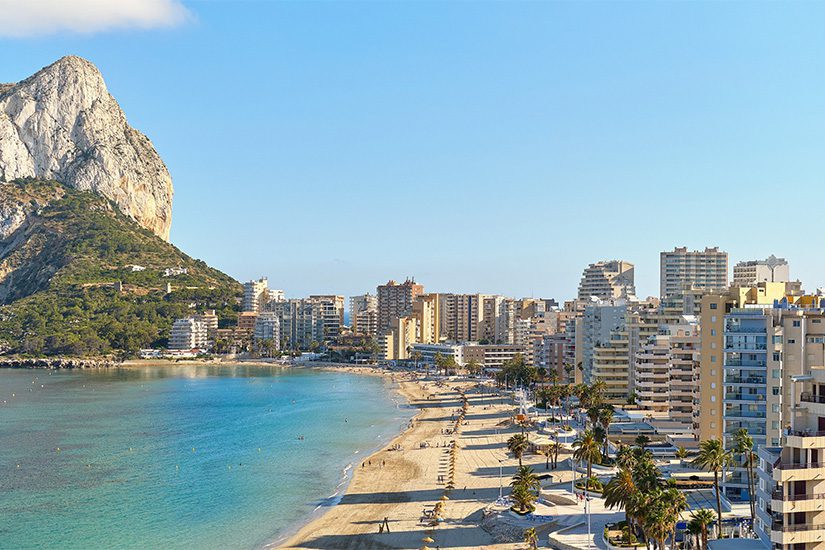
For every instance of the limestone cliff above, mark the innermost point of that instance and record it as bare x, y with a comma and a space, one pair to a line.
62, 124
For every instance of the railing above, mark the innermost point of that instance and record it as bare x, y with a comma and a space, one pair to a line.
795, 528
811, 398
745, 396
795, 466
745, 414
777, 495
745, 363
745, 380
805, 433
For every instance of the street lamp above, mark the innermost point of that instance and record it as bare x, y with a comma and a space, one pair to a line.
587, 511
500, 486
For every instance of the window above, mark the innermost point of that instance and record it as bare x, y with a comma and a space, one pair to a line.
791, 341
713, 424
775, 407
796, 323
713, 400
712, 358
775, 424
713, 306
713, 412
775, 374
713, 372
713, 332
713, 385
774, 443
776, 356
713, 318
775, 391
713, 345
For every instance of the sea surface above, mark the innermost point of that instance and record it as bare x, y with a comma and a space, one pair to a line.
180, 457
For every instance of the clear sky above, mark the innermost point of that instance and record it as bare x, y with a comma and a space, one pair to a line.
491, 147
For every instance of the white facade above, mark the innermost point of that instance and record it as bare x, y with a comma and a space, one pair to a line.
770, 270
187, 334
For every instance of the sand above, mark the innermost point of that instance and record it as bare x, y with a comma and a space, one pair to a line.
400, 484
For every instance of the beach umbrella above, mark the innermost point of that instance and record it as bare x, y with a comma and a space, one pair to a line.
445, 497
427, 539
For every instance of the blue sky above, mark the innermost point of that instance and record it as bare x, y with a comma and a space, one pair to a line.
481, 147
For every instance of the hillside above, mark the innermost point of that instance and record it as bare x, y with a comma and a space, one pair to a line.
62, 251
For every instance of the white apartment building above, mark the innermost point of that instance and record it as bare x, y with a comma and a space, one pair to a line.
267, 327
188, 334
364, 314
607, 280
769, 270
255, 295
681, 269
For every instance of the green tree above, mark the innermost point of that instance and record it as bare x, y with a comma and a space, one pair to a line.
704, 518
527, 477
642, 441
743, 446
517, 444
587, 449
713, 458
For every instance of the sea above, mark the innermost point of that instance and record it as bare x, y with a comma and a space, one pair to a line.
181, 457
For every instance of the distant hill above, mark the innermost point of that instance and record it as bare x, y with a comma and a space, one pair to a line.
62, 253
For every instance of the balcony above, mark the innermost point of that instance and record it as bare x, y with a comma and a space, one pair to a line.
739, 396
791, 471
759, 380
797, 534
739, 413
745, 363
808, 397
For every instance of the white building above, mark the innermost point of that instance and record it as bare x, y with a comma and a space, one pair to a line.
255, 294
606, 280
429, 351
682, 269
187, 334
769, 270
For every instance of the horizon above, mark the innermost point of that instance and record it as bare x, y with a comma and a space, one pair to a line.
465, 118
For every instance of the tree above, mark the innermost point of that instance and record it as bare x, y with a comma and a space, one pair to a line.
416, 356
642, 441
517, 444
473, 367
695, 528
525, 476
713, 458
743, 445
606, 413
587, 449
704, 518
681, 454
523, 497
618, 492
517, 370
531, 539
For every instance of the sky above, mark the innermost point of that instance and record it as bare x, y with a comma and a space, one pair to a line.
494, 147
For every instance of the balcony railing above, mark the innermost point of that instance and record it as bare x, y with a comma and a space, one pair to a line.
805, 433
744, 414
795, 466
745, 397
811, 398
745, 363
745, 380
800, 527
777, 495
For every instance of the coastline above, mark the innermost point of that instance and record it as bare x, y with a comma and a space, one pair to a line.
397, 387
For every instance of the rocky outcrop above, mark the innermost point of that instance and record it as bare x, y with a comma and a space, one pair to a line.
62, 124
55, 363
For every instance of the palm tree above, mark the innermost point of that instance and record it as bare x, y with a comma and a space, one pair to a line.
676, 503
681, 454
695, 529
553, 451
605, 419
642, 440
525, 476
531, 539
587, 449
597, 390
704, 518
714, 458
744, 447
416, 356
523, 497
517, 444
618, 492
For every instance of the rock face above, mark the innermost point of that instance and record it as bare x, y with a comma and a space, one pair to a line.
62, 124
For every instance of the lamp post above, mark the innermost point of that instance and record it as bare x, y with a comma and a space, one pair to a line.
500, 486
587, 511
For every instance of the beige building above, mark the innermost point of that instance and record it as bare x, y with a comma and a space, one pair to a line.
255, 295
607, 280
714, 307
394, 301
461, 316
681, 269
790, 484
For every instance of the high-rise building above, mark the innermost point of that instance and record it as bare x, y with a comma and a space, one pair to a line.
681, 269
766, 350
255, 295
329, 310
188, 334
770, 270
268, 328
210, 319
599, 321
364, 314
790, 483
461, 316
607, 280
394, 301
714, 308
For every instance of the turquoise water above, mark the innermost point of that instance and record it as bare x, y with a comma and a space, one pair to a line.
179, 457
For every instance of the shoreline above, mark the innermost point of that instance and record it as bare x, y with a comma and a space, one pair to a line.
320, 511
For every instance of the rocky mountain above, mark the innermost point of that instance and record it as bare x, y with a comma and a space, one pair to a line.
62, 124
79, 278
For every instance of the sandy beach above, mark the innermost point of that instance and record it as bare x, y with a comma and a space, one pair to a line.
400, 484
